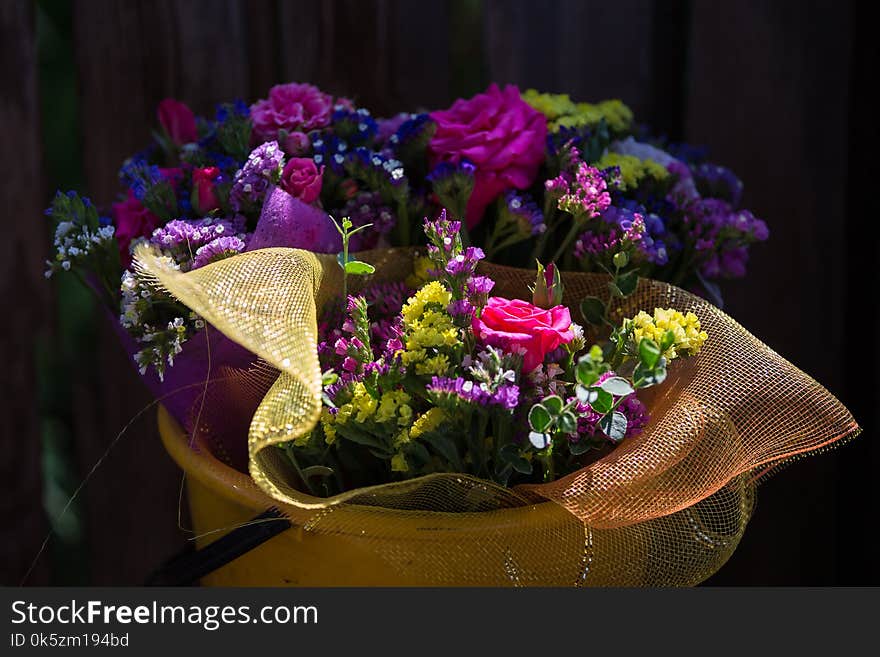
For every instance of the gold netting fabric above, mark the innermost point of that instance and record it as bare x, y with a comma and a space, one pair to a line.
665, 508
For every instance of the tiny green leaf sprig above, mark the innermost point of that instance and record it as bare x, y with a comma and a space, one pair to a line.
348, 264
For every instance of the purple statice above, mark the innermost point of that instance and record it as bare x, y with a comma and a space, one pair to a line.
624, 232
448, 389
182, 238
217, 249
650, 246
584, 195
464, 264
720, 235
368, 208
524, 213
262, 169
713, 181
384, 302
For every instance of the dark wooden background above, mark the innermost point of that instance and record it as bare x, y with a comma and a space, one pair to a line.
776, 90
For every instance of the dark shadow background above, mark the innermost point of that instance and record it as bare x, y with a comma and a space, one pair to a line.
778, 91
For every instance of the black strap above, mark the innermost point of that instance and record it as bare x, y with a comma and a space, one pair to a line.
190, 565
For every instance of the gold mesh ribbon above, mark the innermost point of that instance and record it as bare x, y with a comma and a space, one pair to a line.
664, 508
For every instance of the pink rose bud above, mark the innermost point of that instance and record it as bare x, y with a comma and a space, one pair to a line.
548, 287
178, 121
302, 179
204, 195
296, 143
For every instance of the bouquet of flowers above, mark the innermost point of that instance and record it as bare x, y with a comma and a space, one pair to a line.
336, 288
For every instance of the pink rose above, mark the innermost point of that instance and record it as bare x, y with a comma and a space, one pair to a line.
500, 134
519, 327
178, 121
204, 196
132, 220
290, 107
302, 179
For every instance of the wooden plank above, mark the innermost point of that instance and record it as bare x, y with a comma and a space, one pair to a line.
195, 51
590, 50
768, 94
369, 51
22, 286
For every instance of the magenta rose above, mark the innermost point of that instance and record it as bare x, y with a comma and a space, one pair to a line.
131, 220
292, 108
500, 134
204, 195
302, 179
519, 327
178, 121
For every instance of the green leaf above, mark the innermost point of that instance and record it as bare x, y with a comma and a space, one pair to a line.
667, 341
553, 404
645, 378
359, 268
586, 372
539, 418
584, 395
538, 439
613, 425
627, 283
593, 310
510, 456
340, 258
445, 447
418, 451
603, 401
580, 447
649, 353
617, 386
567, 422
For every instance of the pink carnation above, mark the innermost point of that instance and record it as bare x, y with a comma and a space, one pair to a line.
519, 327
500, 134
294, 108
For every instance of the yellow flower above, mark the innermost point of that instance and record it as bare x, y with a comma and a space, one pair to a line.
427, 421
398, 463
327, 421
363, 403
420, 274
550, 105
685, 328
390, 405
436, 366
632, 169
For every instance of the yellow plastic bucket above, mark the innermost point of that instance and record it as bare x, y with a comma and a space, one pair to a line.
383, 547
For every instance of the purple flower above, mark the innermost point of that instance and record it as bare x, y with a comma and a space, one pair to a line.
522, 210
217, 249
715, 181
251, 182
586, 195
479, 394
